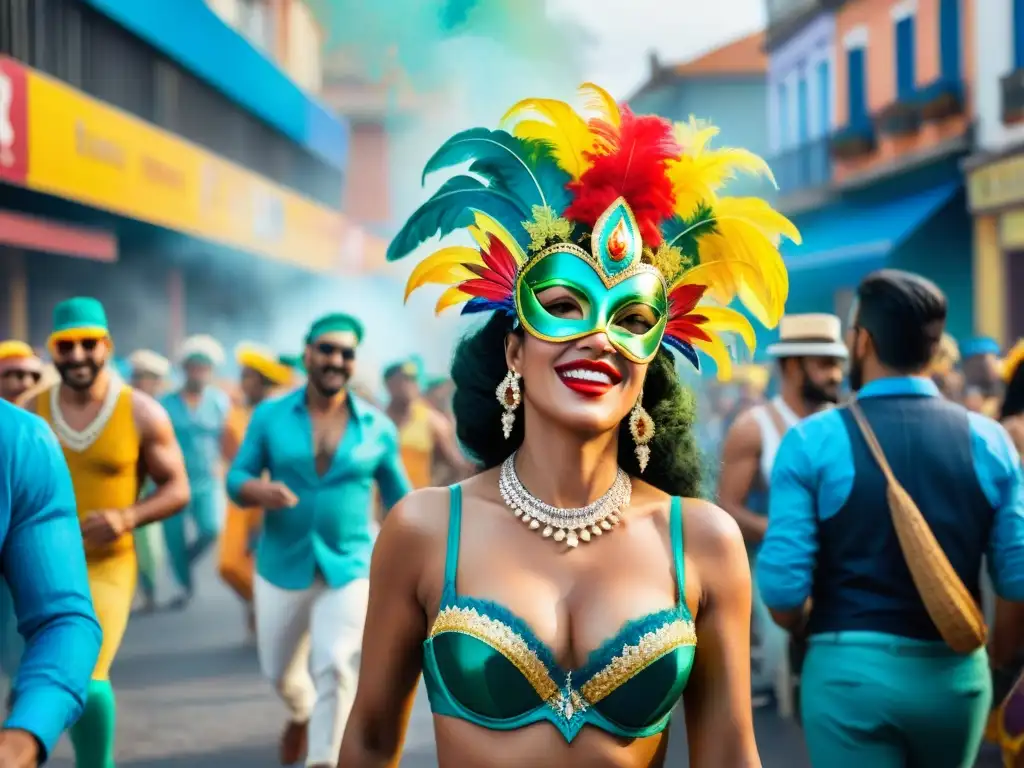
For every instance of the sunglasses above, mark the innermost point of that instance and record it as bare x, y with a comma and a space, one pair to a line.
66, 347
32, 376
327, 349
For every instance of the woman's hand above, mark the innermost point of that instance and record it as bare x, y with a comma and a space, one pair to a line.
719, 718
396, 626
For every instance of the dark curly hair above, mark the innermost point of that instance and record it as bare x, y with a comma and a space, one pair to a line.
479, 366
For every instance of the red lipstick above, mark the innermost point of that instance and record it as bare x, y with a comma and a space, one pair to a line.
589, 378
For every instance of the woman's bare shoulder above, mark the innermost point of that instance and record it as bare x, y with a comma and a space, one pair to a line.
706, 526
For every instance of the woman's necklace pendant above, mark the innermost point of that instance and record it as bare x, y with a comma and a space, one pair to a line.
564, 525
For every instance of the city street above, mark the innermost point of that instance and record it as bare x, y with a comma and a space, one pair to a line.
190, 696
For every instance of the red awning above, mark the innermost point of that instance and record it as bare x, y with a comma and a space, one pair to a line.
37, 234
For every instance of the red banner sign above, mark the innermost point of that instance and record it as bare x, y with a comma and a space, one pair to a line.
13, 122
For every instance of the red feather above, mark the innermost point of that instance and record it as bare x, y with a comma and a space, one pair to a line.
496, 280
682, 324
630, 163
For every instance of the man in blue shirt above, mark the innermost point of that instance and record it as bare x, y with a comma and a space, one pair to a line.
42, 559
310, 460
879, 686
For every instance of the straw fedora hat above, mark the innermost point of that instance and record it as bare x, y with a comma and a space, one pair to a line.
817, 335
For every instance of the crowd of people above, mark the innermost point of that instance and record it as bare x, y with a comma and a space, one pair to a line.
536, 539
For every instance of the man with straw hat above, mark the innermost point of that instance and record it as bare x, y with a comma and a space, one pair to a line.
880, 515
149, 371
810, 355
20, 370
112, 436
198, 411
263, 374
323, 448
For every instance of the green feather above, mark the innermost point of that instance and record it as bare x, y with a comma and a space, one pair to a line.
452, 208
524, 168
684, 234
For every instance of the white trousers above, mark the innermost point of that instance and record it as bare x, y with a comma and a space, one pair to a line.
309, 643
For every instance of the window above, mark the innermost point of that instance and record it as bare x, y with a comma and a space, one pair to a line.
905, 58
949, 39
803, 109
254, 23
824, 84
783, 98
855, 66
1018, 34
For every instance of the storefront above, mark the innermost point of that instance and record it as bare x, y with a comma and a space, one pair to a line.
996, 200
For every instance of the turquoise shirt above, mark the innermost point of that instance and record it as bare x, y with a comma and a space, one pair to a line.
330, 529
42, 559
199, 433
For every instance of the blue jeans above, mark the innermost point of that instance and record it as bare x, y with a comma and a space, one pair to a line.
205, 512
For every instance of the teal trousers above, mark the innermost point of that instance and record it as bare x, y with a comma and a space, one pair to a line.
205, 510
870, 700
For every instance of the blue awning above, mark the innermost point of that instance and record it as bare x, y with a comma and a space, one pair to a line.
844, 242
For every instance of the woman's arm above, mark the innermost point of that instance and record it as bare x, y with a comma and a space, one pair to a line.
396, 625
719, 720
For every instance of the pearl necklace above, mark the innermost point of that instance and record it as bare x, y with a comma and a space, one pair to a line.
569, 525
72, 438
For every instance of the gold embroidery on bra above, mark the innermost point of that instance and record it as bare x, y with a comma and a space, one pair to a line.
500, 636
633, 658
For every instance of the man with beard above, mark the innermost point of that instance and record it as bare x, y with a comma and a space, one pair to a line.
263, 374
323, 448
113, 436
20, 370
198, 411
425, 437
879, 685
810, 354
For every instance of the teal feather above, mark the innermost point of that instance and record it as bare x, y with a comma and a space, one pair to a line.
452, 208
524, 168
684, 234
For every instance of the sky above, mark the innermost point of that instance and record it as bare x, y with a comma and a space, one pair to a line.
622, 38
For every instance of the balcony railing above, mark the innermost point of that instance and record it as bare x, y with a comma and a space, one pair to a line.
853, 140
808, 166
1013, 97
940, 99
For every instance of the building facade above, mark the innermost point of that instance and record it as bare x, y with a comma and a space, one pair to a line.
871, 107
154, 158
995, 171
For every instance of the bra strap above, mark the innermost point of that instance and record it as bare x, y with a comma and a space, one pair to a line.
676, 528
451, 562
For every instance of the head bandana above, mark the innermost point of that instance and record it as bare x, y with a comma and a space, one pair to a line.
337, 322
150, 363
78, 319
202, 349
621, 211
265, 363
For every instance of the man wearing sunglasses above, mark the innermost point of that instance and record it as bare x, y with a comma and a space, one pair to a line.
20, 370
323, 448
113, 437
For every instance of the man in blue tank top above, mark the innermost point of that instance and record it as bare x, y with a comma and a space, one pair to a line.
879, 685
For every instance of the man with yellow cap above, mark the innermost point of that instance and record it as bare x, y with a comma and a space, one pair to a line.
323, 448
198, 412
20, 370
149, 372
112, 436
262, 374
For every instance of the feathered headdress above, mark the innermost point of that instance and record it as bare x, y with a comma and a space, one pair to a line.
627, 194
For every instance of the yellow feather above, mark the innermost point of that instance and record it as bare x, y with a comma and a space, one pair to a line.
717, 351
450, 298
563, 129
601, 102
725, 320
445, 266
488, 226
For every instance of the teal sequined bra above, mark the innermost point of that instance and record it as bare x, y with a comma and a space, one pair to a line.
484, 664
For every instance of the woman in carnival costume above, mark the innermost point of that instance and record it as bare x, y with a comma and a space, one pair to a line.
1006, 725
575, 582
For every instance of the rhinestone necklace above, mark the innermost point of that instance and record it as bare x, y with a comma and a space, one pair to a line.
80, 441
569, 525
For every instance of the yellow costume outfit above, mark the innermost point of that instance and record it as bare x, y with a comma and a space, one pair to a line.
241, 526
416, 442
104, 463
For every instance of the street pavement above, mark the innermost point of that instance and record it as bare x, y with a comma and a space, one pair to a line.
190, 696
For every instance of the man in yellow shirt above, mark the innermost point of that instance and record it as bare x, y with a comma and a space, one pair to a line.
112, 436
20, 370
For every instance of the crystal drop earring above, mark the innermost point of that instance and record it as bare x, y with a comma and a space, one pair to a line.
510, 396
641, 427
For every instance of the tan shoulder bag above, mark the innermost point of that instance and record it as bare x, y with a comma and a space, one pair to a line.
949, 603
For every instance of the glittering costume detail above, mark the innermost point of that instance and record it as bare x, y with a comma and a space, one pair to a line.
503, 639
633, 658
